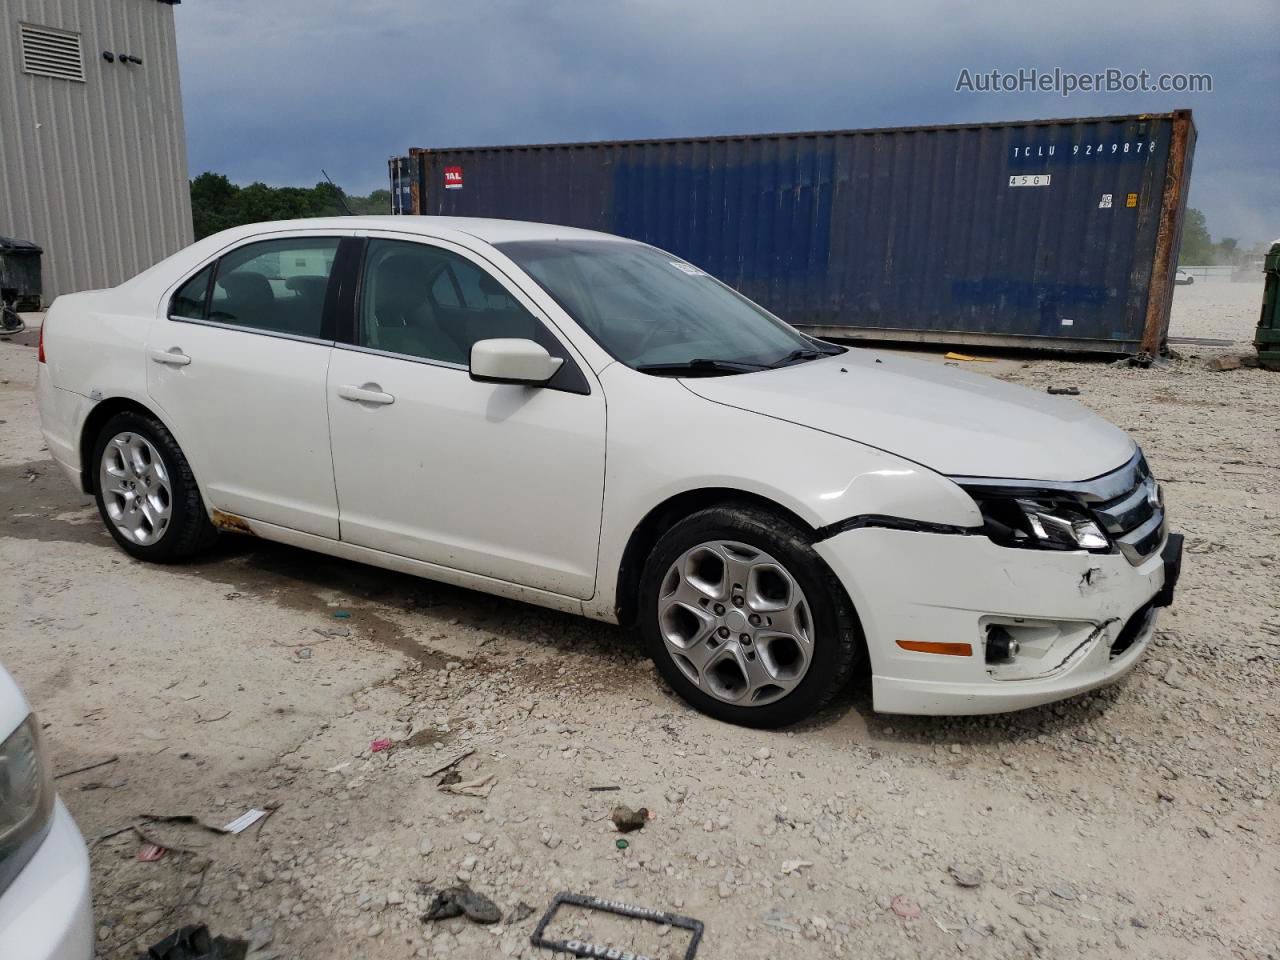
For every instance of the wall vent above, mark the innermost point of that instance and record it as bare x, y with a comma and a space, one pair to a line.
51, 53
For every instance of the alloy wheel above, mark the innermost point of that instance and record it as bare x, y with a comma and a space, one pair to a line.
736, 623
135, 488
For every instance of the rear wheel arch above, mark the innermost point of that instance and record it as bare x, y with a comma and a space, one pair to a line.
666, 515
103, 411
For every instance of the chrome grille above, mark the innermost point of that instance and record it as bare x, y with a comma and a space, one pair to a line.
1135, 518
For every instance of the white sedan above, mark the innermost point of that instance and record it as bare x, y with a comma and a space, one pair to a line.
44, 867
594, 425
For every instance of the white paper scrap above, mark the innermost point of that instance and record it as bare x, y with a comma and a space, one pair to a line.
244, 821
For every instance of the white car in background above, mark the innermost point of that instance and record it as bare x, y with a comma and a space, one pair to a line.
1181, 278
45, 912
594, 425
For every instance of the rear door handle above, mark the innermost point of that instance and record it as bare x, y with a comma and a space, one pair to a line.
173, 357
366, 393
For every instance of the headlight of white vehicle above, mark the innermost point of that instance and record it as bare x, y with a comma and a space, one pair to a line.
26, 799
1047, 523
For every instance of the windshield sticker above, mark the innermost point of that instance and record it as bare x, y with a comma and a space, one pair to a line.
688, 268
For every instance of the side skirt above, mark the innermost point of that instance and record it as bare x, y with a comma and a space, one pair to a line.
416, 568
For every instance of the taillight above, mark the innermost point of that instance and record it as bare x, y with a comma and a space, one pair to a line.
40, 354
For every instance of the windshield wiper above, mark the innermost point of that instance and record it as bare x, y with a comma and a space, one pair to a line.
700, 366
802, 354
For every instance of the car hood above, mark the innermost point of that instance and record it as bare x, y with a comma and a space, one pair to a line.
952, 421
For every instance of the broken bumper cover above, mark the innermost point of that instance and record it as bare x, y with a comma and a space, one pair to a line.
1086, 618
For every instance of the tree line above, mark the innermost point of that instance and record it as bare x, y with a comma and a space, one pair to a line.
218, 204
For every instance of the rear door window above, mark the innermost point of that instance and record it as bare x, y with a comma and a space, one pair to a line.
276, 286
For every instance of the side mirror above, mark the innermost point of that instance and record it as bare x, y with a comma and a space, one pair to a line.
512, 361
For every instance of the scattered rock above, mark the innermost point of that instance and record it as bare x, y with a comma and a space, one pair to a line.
1224, 361
794, 866
964, 876
1064, 891
520, 911
626, 819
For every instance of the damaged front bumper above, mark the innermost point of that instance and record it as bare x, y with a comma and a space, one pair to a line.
1080, 620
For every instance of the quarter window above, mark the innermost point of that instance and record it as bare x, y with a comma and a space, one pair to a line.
190, 300
425, 302
279, 286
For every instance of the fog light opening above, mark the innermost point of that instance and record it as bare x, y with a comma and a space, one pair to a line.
1001, 646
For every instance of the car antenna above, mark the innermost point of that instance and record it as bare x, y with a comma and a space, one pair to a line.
342, 197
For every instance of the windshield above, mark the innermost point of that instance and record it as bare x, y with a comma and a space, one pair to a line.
657, 313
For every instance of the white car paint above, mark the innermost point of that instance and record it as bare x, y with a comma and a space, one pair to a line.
535, 494
45, 912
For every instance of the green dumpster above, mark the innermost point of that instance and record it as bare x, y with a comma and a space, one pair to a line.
1268, 337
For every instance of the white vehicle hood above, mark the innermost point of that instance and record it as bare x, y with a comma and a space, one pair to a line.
952, 421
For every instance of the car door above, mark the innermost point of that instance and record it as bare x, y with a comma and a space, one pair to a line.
498, 480
237, 363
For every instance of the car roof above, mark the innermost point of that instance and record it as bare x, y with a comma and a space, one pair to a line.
488, 230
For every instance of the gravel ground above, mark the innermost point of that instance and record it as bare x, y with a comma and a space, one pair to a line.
1141, 818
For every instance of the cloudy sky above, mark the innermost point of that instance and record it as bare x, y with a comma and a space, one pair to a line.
275, 91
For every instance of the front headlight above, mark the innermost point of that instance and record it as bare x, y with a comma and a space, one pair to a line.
26, 799
1046, 523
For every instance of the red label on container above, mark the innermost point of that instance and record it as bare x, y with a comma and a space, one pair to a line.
453, 178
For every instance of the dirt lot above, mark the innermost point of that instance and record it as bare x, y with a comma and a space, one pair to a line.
1140, 820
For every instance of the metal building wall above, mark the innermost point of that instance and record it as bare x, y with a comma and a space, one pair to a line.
1050, 233
95, 172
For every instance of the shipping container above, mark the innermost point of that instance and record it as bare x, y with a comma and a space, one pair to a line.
1056, 234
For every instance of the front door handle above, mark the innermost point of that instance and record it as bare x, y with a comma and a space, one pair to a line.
365, 393
173, 357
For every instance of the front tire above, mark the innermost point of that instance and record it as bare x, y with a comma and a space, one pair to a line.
146, 492
744, 620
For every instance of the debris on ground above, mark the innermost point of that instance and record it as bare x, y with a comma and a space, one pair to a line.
1065, 391
584, 948
460, 900
245, 821
626, 819
602, 789
150, 852
521, 911
479, 787
452, 763
382, 743
1224, 362
965, 876
85, 768
905, 908
194, 943
795, 866
965, 356
342, 614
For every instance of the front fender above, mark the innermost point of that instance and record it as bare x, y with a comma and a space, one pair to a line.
664, 441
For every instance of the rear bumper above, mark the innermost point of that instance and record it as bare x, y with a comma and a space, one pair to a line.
1086, 619
62, 416
46, 914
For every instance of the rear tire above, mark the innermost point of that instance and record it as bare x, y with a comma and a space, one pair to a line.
147, 495
744, 619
